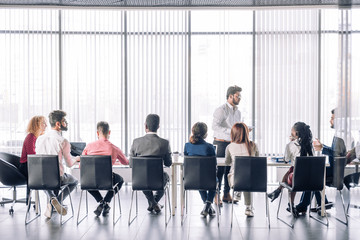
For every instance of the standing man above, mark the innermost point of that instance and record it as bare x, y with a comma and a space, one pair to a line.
104, 147
54, 143
151, 145
225, 117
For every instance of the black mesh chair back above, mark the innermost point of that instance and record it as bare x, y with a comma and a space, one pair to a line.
250, 174
308, 174
44, 172
338, 172
96, 173
147, 173
10, 158
338, 182
199, 173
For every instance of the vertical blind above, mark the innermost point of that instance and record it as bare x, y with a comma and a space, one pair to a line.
29, 71
286, 75
119, 66
158, 73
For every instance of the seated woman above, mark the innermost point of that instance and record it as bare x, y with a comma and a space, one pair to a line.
35, 128
300, 145
198, 147
240, 146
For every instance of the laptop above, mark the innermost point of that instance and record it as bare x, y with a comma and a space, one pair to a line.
77, 148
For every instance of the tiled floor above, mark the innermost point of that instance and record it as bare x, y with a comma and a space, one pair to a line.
148, 226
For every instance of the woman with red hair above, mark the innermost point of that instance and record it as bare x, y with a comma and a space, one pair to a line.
240, 146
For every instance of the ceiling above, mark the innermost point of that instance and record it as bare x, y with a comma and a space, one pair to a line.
180, 3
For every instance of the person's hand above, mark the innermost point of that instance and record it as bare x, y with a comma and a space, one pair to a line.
318, 146
291, 138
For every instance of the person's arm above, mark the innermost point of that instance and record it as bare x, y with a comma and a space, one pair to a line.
327, 151
30, 148
132, 153
219, 118
121, 157
69, 160
167, 157
227, 157
185, 151
211, 150
287, 154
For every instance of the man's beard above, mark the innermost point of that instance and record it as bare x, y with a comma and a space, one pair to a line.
62, 128
235, 103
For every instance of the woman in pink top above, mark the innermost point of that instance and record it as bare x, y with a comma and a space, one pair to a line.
35, 128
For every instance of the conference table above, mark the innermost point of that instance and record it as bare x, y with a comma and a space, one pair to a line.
177, 166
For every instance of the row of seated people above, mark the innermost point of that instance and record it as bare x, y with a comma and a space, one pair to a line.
52, 142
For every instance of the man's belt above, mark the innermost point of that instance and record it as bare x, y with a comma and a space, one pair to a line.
221, 140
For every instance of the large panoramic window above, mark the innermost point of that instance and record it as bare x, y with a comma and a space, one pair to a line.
119, 66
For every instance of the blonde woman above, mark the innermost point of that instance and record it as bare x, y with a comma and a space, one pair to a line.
240, 146
35, 128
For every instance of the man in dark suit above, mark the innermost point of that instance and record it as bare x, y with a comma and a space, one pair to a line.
151, 145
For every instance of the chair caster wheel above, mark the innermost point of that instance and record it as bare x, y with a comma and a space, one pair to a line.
11, 211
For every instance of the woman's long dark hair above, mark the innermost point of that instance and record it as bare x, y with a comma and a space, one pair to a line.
305, 138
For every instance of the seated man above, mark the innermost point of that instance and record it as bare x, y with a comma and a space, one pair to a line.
104, 147
54, 143
151, 145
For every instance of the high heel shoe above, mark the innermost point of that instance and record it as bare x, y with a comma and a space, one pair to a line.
294, 211
275, 194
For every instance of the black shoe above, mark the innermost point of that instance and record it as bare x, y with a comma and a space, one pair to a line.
157, 208
150, 207
294, 212
205, 210
99, 209
212, 211
274, 195
106, 209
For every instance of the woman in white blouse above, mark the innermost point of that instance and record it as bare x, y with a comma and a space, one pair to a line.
240, 146
300, 145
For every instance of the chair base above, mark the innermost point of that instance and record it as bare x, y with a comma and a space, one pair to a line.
167, 208
37, 206
13, 201
115, 220
291, 207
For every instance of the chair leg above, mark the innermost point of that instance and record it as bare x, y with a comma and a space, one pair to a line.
289, 224
218, 213
232, 209
167, 197
343, 205
114, 200
37, 213
267, 209
132, 198
78, 215
71, 204
318, 220
183, 215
